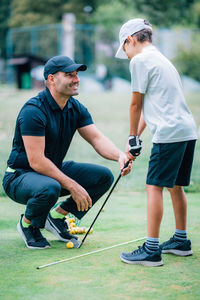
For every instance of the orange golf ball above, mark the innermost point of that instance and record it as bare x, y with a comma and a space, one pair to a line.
70, 245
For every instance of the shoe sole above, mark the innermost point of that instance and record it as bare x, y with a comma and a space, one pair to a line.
24, 239
143, 262
178, 252
53, 229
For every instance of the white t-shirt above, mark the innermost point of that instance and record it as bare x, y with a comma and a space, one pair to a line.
164, 108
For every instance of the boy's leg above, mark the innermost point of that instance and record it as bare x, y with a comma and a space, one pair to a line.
154, 210
178, 244
179, 202
149, 254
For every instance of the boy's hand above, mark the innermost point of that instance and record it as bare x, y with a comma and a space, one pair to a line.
135, 145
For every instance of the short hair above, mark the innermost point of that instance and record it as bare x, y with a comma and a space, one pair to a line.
143, 35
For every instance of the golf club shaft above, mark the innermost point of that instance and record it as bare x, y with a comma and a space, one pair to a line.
92, 252
125, 166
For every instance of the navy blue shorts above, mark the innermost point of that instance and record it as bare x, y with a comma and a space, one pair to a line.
171, 164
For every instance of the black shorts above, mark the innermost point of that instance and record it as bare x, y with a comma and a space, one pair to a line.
171, 164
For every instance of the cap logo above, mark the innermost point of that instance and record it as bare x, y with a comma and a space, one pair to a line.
147, 23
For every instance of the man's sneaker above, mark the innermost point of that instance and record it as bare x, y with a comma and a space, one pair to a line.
141, 256
177, 247
59, 228
32, 236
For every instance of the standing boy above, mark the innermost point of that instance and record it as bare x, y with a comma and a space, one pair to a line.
158, 102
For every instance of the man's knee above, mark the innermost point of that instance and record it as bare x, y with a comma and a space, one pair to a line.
107, 178
49, 193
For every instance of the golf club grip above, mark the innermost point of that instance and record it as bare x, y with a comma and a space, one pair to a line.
125, 166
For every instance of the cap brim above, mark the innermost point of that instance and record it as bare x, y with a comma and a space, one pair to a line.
75, 67
121, 53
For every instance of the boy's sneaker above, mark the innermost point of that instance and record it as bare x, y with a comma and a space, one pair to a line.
32, 236
141, 256
177, 247
60, 229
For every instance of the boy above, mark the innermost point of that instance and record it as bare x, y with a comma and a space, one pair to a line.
158, 102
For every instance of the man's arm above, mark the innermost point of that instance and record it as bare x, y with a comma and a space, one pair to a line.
104, 146
35, 147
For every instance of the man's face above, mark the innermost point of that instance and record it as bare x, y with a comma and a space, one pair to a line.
66, 83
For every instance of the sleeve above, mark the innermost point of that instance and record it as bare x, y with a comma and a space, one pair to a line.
32, 121
85, 118
139, 76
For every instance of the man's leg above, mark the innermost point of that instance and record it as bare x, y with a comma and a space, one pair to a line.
39, 193
95, 179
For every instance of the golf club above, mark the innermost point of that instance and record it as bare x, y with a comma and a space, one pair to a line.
114, 185
89, 253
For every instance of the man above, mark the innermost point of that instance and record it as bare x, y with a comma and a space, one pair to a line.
157, 92
37, 176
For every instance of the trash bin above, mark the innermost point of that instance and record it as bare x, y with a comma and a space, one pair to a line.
26, 80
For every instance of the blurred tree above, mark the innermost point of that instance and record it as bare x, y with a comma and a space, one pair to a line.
29, 12
166, 13
196, 13
188, 60
4, 16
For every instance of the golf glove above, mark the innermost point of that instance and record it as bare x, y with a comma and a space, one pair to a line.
135, 145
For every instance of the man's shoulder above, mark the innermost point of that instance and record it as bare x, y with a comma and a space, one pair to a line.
76, 104
37, 100
33, 105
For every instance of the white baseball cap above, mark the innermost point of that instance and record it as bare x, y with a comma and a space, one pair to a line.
129, 28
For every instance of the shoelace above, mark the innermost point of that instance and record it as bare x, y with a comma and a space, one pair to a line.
138, 251
169, 242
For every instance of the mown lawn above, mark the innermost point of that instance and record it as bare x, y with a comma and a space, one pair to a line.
101, 275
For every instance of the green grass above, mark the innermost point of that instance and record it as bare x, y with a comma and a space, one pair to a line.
100, 276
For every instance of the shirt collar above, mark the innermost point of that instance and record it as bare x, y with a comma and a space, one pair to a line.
54, 105
149, 48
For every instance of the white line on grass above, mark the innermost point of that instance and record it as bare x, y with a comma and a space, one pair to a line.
92, 252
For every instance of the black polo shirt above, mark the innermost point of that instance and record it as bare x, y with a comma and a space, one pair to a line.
41, 116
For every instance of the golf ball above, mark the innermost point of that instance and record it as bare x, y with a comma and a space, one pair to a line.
70, 245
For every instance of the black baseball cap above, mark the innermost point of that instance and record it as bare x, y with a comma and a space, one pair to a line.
62, 63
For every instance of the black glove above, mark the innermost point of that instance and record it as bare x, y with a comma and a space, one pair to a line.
135, 145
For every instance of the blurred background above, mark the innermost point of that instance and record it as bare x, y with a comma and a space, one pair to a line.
87, 30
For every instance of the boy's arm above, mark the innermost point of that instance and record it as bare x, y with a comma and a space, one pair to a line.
137, 125
135, 113
142, 125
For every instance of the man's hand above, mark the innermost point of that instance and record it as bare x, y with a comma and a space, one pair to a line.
122, 160
135, 145
81, 197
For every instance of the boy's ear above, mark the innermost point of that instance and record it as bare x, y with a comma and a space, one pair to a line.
132, 39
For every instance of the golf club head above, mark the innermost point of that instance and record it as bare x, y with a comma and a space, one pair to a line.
76, 243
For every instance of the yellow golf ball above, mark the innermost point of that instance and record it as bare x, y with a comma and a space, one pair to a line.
70, 245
